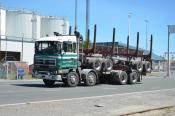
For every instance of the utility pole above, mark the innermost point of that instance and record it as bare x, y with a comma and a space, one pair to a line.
75, 15
168, 66
0, 33
22, 49
87, 17
129, 23
146, 22
34, 27
171, 30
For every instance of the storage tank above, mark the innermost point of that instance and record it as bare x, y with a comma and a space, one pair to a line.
22, 23
2, 23
54, 24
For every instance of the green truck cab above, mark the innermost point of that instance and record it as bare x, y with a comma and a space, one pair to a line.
57, 59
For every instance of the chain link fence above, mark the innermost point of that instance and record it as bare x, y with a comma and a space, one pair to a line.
13, 70
162, 67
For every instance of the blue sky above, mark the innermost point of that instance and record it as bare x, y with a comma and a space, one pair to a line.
112, 13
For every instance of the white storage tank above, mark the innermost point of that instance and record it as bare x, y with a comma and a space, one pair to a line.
22, 23
54, 24
2, 23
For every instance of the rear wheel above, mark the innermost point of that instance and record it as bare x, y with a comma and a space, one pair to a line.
91, 79
49, 83
133, 77
139, 77
72, 79
148, 66
108, 64
139, 66
122, 78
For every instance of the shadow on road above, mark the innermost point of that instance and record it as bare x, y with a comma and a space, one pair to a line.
39, 85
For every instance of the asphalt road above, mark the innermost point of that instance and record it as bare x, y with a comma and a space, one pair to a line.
21, 91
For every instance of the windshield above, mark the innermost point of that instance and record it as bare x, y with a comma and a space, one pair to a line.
47, 47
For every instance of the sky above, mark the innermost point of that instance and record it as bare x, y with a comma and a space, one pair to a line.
108, 14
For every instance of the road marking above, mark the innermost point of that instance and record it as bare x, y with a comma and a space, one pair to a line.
51, 90
109, 88
5, 92
81, 98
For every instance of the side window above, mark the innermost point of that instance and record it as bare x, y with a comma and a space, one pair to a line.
74, 47
68, 47
65, 46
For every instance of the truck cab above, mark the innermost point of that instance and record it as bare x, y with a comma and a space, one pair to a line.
57, 59
54, 57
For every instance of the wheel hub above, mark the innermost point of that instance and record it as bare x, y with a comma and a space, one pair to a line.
91, 79
73, 79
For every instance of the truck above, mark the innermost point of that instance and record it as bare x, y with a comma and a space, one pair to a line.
63, 58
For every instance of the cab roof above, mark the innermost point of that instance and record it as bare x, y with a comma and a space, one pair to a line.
59, 38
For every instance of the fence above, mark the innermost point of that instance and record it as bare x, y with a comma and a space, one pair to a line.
161, 66
2, 71
13, 70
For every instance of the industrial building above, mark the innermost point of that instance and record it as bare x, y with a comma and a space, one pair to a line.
20, 28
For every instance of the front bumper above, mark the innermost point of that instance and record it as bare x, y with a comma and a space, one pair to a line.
48, 76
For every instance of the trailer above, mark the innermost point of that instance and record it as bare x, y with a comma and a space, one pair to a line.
62, 58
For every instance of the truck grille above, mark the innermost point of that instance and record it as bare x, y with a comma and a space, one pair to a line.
45, 62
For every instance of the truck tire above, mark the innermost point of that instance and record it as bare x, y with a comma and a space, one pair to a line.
133, 77
122, 78
49, 83
139, 77
148, 66
91, 79
72, 79
139, 66
97, 65
108, 64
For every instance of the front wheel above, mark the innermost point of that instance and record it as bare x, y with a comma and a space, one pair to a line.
72, 79
91, 79
49, 83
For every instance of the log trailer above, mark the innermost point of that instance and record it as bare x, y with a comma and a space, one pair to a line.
62, 58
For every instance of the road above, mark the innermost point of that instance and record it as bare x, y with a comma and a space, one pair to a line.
21, 91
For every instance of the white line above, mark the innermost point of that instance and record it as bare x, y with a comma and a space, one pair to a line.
110, 88
81, 98
50, 90
5, 92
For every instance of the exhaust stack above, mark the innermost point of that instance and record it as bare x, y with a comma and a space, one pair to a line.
88, 36
137, 46
151, 44
127, 45
94, 44
113, 41
70, 30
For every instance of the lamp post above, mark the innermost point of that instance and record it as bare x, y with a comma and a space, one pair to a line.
171, 30
146, 23
75, 15
129, 22
87, 17
168, 71
0, 33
